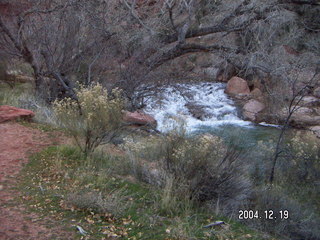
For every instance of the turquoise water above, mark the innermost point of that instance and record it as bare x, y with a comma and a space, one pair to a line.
247, 136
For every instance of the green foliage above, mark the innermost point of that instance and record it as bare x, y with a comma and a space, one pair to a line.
91, 119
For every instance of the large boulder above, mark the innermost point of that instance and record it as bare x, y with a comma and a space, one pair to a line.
139, 118
251, 109
8, 113
304, 117
237, 86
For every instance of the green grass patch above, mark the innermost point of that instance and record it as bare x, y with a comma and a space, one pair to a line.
97, 194
10, 95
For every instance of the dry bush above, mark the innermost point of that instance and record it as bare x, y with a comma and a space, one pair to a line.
91, 119
198, 169
295, 189
303, 222
302, 160
206, 169
298, 161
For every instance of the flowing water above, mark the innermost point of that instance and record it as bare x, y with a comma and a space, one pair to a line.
204, 108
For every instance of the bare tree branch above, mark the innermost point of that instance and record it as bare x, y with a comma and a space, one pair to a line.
135, 16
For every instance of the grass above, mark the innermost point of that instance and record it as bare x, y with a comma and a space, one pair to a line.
22, 95
10, 95
62, 184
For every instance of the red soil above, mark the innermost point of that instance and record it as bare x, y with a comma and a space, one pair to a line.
16, 144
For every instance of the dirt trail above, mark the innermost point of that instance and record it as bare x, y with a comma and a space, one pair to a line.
16, 144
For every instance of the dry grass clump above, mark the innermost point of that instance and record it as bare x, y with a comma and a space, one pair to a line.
91, 119
22, 96
114, 203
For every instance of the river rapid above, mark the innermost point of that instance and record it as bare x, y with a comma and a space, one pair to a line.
204, 108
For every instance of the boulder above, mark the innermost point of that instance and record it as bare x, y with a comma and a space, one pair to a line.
256, 94
237, 86
202, 60
139, 118
251, 109
302, 111
302, 117
8, 113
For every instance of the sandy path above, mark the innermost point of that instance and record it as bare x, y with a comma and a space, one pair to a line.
16, 144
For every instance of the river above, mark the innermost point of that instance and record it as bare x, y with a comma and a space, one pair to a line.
204, 108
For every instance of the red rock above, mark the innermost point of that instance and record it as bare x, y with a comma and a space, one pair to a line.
256, 94
251, 109
8, 113
139, 118
237, 86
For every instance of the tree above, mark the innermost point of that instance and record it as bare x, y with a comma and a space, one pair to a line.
56, 39
64, 40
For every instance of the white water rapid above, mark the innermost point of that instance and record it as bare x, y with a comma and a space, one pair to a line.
193, 105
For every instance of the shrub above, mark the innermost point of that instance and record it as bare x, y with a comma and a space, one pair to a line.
302, 161
303, 222
207, 170
200, 169
91, 119
296, 188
